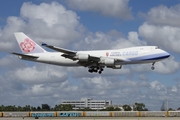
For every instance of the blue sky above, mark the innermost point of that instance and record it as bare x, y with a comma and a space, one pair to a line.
80, 25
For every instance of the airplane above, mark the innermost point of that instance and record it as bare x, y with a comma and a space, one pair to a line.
95, 60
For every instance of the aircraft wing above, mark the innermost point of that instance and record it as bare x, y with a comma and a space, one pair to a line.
75, 56
66, 51
24, 55
122, 60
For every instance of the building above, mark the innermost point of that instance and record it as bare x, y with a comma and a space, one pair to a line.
88, 103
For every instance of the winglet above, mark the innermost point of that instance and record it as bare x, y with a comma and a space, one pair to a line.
43, 44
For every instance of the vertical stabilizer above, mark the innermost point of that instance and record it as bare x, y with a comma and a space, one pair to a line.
27, 45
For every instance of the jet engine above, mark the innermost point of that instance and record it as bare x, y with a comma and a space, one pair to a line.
83, 57
109, 62
115, 67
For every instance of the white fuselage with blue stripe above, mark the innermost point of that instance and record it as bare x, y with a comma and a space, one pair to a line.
132, 55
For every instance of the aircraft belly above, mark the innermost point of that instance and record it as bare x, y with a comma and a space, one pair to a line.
135, 62
57, 60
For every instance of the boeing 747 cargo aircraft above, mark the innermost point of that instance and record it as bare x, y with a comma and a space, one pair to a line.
95, 60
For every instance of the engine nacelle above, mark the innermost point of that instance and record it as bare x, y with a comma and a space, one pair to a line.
83, 57
109, 62
117, 67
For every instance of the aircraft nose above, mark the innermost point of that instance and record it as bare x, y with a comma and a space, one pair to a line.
166, 54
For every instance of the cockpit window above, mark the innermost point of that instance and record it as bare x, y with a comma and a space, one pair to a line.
156, 47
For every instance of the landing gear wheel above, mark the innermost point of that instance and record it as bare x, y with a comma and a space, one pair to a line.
90, 71
152, 68
95, 69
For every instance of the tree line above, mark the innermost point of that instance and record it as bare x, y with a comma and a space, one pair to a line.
68, 107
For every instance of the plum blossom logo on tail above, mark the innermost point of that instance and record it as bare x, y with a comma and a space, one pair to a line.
28, 45
107, 54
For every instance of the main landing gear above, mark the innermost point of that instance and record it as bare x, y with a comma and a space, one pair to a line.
153, 66
95, 69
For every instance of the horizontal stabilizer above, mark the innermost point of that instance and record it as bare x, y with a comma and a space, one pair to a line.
24, 55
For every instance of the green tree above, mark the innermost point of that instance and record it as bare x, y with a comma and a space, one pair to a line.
110, 108
140, 107
117, 109
38, 108
1, 107
127, 108
28, 108
170, 109
87, 109
19, 108
45, 107
63, 107
32, 108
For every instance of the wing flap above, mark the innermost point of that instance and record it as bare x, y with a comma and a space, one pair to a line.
93, 58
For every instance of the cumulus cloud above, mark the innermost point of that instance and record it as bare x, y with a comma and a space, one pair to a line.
162, 27
143, 77
11, 62
102, 41
38, 74
162, 15
143, 68
7, 40
57, 25
125, 90
165, 36
167, 66
114, 8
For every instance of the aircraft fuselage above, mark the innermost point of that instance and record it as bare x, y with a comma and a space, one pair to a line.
133, 55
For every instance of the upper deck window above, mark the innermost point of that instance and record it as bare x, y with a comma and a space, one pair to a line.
156, 47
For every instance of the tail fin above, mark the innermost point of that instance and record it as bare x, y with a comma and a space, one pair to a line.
27, 45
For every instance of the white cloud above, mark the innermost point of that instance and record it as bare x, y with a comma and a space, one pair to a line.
162, 27
174, 89
139, 91
143, 77
155, 85
165, 36
38, 74
102, 41
11, 62
133, 40
114, 8
57, 25
167, 66
141, 68
162, 15
54, 12
7, 40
